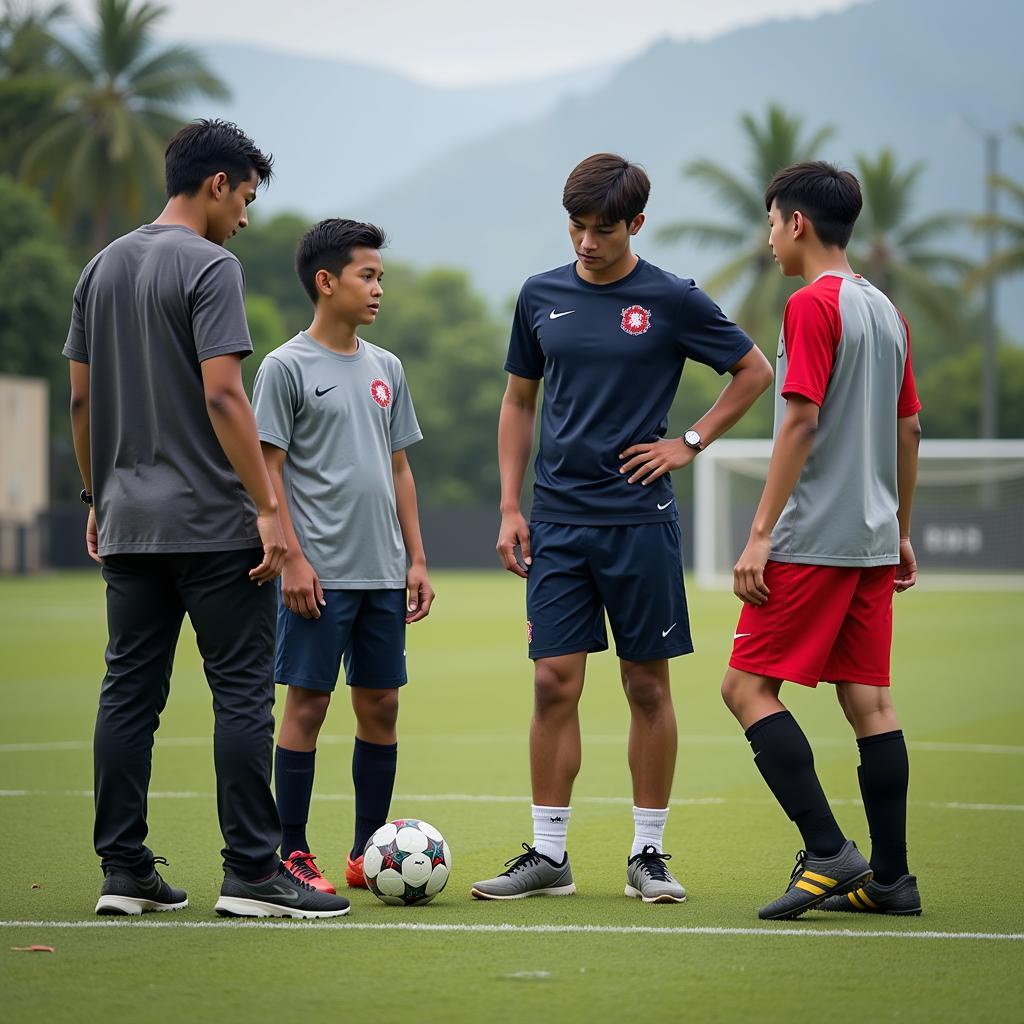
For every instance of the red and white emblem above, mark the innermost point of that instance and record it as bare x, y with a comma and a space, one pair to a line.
380, 392
529, 631
636, 320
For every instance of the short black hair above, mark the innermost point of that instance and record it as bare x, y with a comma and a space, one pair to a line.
328, 245
205, 147
608, 185
827, 196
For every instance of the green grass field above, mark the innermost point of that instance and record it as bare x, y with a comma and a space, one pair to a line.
463, 767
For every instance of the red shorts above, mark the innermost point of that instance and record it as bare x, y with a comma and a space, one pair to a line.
821, 622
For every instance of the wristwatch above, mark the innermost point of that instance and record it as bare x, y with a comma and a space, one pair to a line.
86, 496
693, 440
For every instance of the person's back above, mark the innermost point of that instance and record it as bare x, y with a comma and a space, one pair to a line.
842, 510
828, 547
152, 306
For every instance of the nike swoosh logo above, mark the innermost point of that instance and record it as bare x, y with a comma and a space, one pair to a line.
736, 636
554, 316
780, 353
320, 394
661, 508
665, 632
287, 894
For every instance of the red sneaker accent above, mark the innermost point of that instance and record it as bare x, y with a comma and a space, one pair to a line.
301, 865
354, 877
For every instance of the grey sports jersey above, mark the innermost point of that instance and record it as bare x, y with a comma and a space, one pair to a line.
847, 348
340, 418
147, 311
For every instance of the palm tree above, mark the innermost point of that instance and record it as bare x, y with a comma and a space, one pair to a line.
102, 155
898, 255
1009, 260
26, 37
29, 83
775, 143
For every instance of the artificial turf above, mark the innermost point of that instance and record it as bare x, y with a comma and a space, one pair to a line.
463, 767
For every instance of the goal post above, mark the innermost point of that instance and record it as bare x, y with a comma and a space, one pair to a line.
968, 522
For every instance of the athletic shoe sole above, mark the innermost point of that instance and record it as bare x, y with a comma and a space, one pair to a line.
236, 906
840, 890
127, 905
665, 897
555, 890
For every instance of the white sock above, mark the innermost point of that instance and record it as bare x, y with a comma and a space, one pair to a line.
648, 829
550, 825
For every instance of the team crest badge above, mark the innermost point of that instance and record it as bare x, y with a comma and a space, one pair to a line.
636, 320
380, 392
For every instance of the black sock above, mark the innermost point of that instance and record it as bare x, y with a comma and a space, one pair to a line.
293, 780
884, 773
784, 758
373, 778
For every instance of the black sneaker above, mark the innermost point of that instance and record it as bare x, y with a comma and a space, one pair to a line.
281, 895
815, 879
125, 893
900, 898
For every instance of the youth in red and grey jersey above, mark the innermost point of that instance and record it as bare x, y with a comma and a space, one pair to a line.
845, 347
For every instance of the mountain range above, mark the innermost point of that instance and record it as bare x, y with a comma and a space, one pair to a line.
472, 177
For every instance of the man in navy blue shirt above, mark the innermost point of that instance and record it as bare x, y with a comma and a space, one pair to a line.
609, 335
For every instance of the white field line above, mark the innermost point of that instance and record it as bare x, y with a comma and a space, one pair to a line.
505, 798
530, 929
520, 737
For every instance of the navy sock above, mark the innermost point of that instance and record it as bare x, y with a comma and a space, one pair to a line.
373, 778
293, 779
785, 760
884, 774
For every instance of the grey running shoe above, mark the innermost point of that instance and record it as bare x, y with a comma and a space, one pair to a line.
125, 893
648, 879
815, 879
529, 874
900, 897
282, 895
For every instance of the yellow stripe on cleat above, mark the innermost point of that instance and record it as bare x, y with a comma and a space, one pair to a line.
852, 897
810, 887
867, 899
823, 879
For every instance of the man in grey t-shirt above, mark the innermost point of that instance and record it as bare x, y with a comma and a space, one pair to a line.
183, 519
335, 418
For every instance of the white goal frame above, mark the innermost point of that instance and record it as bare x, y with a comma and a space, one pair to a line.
711, 495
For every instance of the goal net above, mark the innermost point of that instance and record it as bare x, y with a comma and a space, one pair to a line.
968, 522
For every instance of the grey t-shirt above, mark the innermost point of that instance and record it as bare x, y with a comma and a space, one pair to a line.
147, 311
845, 347
340, 418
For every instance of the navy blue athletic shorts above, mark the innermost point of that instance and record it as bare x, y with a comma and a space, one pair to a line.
365, 628
635, 573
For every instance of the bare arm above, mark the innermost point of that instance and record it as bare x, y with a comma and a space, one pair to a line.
83, 454
235, 426
516, 424
793, 444
421, 593
300, 585
908, 440
751, 377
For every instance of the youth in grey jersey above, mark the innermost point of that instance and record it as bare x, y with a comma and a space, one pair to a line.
846, 347
340, 418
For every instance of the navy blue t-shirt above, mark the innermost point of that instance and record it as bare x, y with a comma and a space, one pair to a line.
610, 357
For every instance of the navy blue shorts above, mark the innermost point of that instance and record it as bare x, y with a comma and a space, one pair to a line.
365, 628
635, 573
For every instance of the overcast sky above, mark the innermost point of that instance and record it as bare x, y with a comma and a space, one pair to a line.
463, 41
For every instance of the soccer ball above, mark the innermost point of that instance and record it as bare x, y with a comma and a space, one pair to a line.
406, 862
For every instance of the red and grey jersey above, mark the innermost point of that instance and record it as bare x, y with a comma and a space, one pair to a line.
846, 347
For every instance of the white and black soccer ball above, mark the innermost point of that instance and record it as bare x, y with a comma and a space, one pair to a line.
406, 862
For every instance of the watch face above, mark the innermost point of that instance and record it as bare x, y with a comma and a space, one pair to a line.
692, 438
